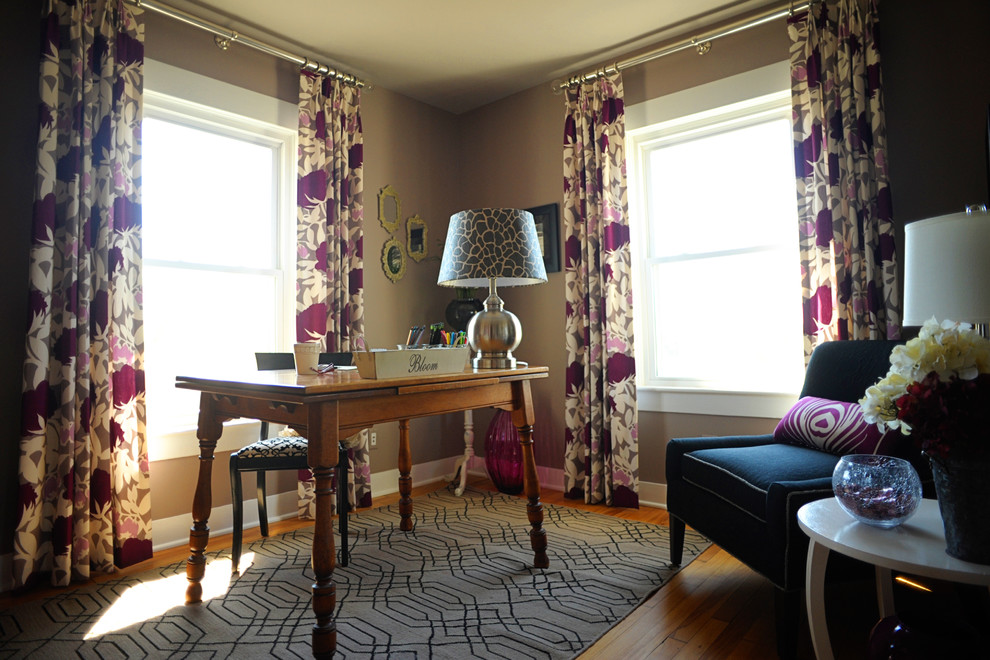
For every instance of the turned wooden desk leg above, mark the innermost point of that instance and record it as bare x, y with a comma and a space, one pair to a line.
324, 562
405, 480
199, 534
323, 456
522, 416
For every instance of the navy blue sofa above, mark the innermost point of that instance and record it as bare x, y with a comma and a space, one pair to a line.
743, 492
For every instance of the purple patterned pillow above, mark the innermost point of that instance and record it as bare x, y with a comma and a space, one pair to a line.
837, 427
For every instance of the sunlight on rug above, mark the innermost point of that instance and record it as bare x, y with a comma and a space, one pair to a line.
147, 600
460, 585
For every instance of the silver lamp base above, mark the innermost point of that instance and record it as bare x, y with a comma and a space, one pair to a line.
494, 332
494, 361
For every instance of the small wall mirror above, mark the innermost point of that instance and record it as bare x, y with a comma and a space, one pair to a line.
393, 259
389, 208
416, 238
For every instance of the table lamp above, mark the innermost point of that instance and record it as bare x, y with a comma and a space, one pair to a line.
489, 247
947, 268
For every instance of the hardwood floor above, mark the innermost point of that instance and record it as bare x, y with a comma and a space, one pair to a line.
713, 608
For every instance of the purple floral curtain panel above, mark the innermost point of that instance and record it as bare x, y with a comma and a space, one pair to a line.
601, 445
85, 500
330, 264
848, 265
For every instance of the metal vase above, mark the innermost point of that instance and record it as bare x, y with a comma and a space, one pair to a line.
962, 486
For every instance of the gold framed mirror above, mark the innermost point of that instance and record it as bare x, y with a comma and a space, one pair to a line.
393, 259
416, 238
389, 208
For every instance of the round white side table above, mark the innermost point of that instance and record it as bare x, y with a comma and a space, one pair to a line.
916, 546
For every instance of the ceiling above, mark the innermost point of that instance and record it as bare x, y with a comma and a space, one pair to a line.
458, 55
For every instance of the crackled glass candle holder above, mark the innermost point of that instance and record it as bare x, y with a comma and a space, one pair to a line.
883, 491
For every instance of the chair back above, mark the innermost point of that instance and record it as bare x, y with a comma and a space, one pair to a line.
273, 361
842, 370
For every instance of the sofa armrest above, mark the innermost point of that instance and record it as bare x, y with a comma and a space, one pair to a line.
784, 498
677, 447
792, 495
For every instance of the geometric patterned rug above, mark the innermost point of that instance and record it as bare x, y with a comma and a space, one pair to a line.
460, 585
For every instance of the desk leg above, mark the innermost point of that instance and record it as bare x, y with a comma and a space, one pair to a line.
208, 432
323, 457
405, 480
814, 589
522, 417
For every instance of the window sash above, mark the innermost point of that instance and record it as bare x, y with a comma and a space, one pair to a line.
171, 427
648, 259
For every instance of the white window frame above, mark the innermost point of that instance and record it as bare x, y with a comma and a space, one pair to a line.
180, 96
761, 91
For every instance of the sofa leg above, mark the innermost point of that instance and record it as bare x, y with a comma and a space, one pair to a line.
676, 541
787, 619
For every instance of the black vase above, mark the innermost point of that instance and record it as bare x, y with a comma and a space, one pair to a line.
962, 485
460, 310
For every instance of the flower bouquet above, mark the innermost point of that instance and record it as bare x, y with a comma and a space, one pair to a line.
938, 391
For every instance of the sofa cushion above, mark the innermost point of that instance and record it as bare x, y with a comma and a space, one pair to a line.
833, 426
742, 476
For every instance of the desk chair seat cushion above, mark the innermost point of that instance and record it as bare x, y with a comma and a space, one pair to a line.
277, 447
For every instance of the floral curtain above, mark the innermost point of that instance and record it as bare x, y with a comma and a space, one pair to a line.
84, 500
848, 265
601, 446
330, 235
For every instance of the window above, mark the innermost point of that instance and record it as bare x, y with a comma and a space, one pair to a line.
219, 270
717, 291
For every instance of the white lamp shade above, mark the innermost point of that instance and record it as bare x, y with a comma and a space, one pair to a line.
947, 268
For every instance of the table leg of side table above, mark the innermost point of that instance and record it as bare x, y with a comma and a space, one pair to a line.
814, 588
885, 592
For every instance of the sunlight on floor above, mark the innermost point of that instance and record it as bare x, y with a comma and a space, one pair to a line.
150, 599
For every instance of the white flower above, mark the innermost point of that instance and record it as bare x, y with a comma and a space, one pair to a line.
948, 348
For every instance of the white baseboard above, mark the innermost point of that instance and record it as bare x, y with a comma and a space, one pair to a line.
653, 494
550, 478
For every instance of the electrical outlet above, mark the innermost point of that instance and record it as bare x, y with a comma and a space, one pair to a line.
374, 439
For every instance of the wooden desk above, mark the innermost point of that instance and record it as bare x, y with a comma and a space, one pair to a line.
325, 408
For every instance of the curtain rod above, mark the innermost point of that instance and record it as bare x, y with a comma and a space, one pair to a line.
702, 44
224, 37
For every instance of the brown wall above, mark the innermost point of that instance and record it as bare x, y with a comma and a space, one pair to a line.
510, 157
936, 68
937, 87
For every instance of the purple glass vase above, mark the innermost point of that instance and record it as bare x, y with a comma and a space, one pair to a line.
503, 454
